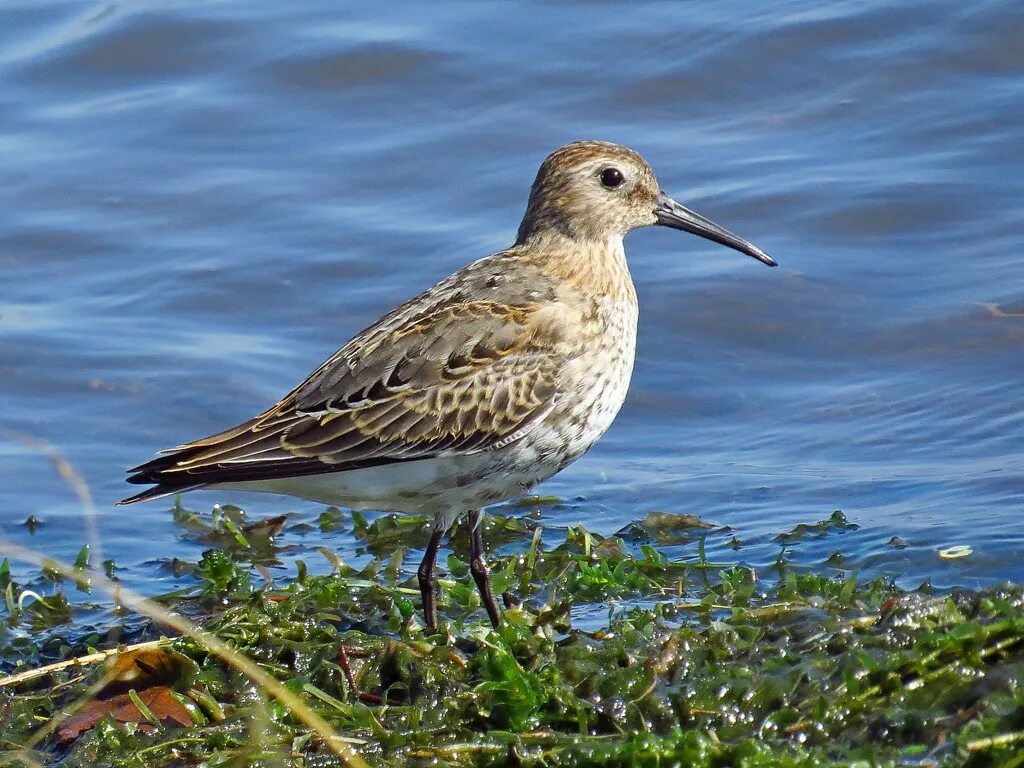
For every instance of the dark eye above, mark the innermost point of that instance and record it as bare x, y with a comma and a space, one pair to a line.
612, 177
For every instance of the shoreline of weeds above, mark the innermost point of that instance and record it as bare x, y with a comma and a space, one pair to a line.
698, 663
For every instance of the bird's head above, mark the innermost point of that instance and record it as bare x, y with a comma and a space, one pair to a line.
591, 191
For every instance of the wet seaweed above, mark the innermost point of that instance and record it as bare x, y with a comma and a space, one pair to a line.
694, 662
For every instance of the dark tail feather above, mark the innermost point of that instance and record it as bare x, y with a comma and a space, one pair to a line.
152, 473
157, 492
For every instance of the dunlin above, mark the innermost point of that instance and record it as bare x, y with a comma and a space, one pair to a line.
475, 390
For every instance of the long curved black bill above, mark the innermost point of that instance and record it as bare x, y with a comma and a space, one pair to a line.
672, 214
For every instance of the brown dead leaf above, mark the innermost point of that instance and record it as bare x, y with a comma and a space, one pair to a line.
674, 521
268, 528
142, 668
168, 710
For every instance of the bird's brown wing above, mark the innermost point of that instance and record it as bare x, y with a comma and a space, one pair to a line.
456, 377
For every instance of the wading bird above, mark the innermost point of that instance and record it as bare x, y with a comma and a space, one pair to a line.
475, 390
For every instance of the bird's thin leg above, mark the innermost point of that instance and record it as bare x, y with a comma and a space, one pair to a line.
428, 583
478, 567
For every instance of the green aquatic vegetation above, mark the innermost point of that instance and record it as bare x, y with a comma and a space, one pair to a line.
689, 663
227, 529
668, 528
836, 523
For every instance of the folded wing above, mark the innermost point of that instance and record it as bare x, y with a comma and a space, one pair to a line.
457, 378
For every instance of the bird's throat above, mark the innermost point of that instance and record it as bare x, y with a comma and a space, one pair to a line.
594, 267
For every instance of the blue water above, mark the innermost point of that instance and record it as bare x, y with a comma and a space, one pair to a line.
202, 200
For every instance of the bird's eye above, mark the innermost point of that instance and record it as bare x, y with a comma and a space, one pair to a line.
612, 178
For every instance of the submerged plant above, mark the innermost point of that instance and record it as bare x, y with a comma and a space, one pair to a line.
705, 664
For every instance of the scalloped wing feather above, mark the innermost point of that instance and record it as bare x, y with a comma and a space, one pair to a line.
462, 377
